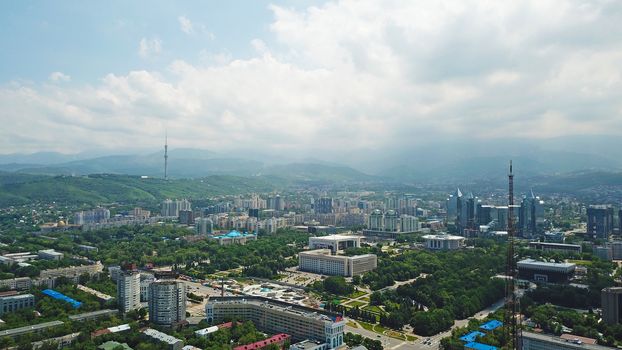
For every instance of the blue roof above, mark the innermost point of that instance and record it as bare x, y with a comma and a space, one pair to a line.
491, 325
471, 337
60, 296
479, 346
233, 233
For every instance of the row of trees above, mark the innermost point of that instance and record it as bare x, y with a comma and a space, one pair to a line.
353, 312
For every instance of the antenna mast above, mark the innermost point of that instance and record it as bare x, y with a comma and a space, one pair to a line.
166, 156
512, 331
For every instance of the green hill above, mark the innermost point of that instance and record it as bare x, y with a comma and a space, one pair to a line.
93, 189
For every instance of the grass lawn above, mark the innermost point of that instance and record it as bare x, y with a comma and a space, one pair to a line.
388, 332
365, 299
374, 309
356, 294
352, 324
581, 262
355, 303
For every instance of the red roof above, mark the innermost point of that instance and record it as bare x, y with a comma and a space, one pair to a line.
277, 339
573, 337
8, 293
225, 325
99, 332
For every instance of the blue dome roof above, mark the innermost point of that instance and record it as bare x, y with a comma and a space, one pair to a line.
233, 233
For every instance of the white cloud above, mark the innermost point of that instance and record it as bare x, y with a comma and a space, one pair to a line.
149, 47
354, 75
185, 25
188, 27
59, 76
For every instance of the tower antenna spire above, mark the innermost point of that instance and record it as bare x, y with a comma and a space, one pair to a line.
512, 331
165, 155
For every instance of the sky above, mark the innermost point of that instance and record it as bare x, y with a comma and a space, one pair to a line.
304, 77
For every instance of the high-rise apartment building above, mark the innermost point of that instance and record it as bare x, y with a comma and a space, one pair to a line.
171, 208
186, 217
611, 303
599, 221
531, 216
128, 291
324, 205
376, 220
96, 215
145, 281
167, 303
391, 221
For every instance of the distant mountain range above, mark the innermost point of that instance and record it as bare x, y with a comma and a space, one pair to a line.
183, 163
446, 161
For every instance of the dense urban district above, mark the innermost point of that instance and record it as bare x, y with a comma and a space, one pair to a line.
118, 262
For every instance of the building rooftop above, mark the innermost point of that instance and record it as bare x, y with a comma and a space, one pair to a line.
17, 296
163, 337
29, 329
576, 339
91, 314
60, 296
491, 325
556, 244
570, 344
471, 337
307, 344
444, 237
206, 331
535, 263
281, 337
479, 346
335, 237
110, 345
278, 305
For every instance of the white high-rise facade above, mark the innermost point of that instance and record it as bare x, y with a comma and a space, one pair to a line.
128, 291
167, 303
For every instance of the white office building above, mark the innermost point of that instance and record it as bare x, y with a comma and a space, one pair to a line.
322, 262
334, 242
443, 242
271, 316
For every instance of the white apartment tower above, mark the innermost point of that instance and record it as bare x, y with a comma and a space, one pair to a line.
128, 291
167, 303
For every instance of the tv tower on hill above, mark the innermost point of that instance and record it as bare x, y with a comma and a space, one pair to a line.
166, 156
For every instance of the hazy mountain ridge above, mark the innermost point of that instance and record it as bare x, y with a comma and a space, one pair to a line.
97, 189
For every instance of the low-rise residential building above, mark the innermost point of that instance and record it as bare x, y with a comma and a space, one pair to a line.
172, 342
11, 302
50, 254
19, 283
40, 327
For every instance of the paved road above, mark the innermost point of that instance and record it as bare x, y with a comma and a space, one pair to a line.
387, 342
392, 344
